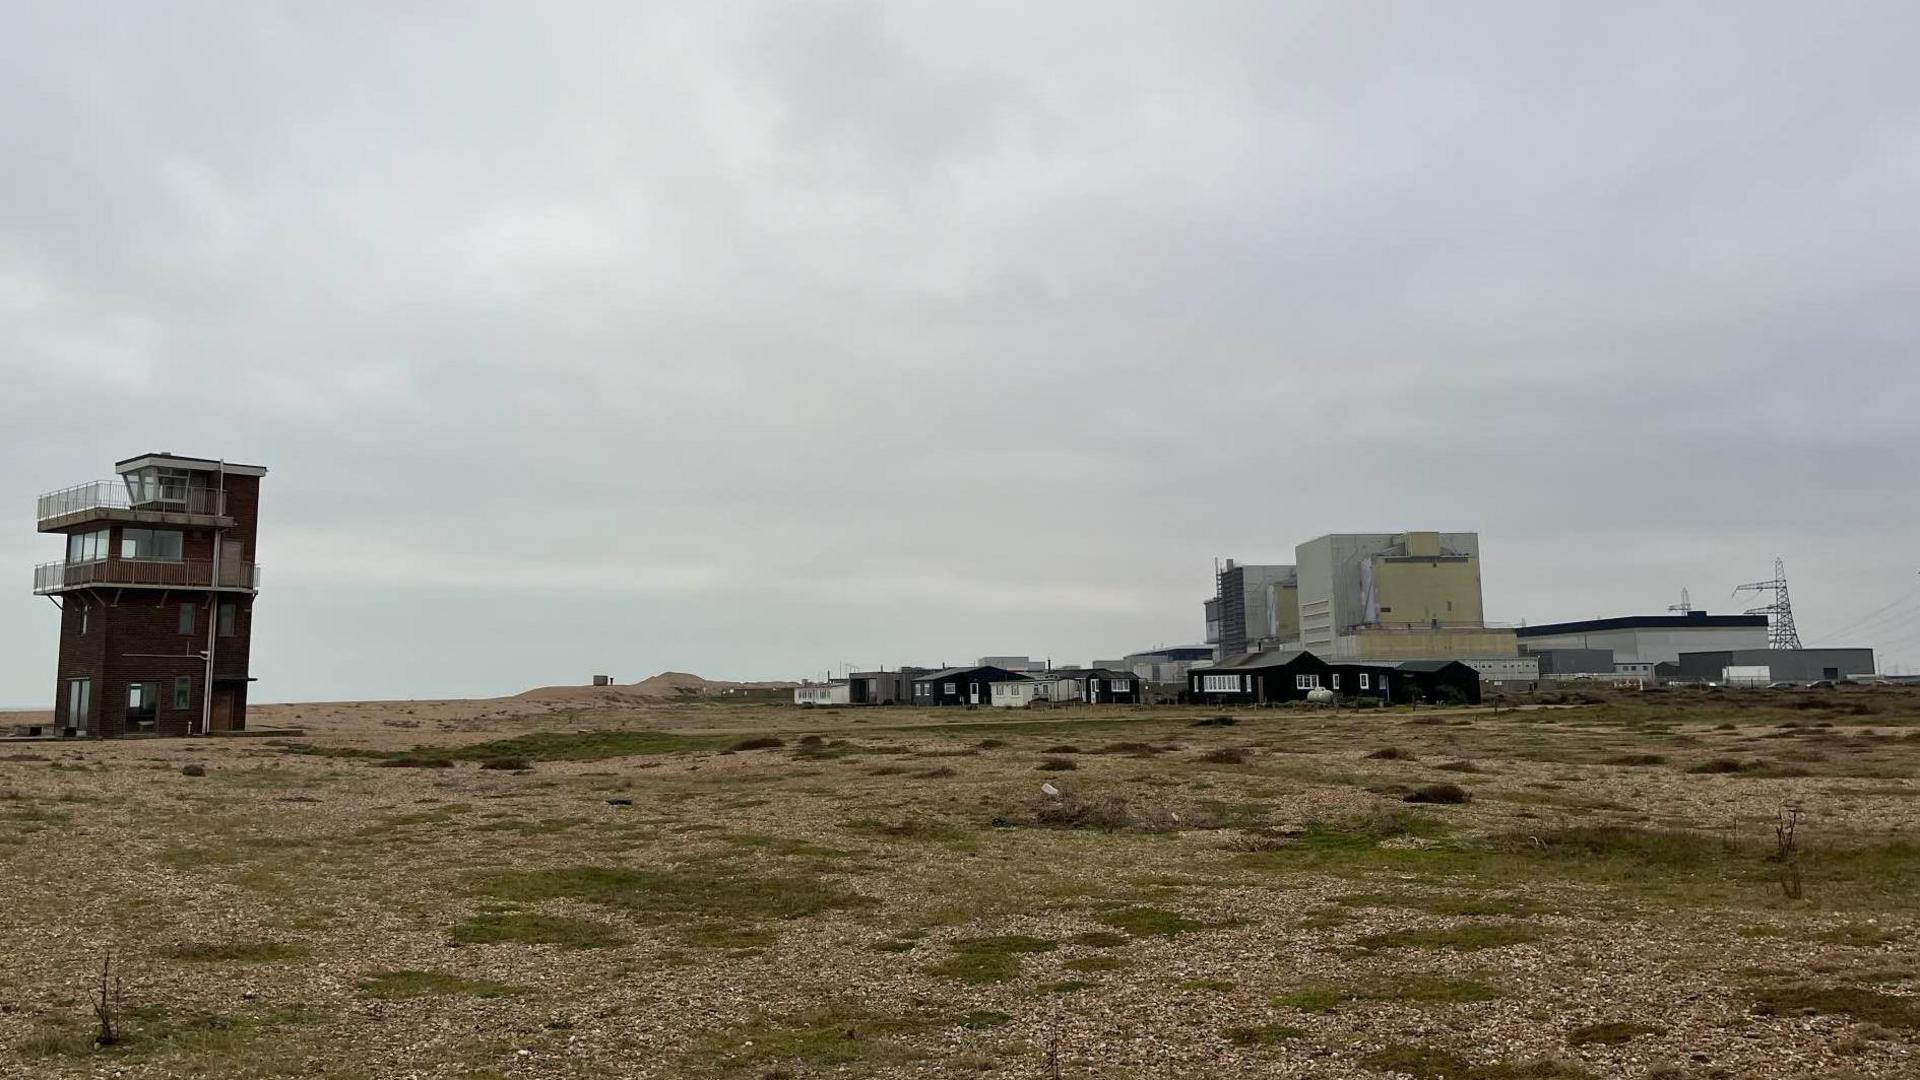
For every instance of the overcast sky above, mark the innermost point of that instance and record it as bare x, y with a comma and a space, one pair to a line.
753, 339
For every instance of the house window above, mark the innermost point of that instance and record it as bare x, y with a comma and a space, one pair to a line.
1336, 680
88, 547
1306, 682
1220, 684
1365, 681
182, 693
227, 618
947, 688
186, 618
150, 544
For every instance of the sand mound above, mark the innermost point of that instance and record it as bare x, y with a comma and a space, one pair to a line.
666, 686
678, 683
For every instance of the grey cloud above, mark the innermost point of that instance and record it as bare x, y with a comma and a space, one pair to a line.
755, 339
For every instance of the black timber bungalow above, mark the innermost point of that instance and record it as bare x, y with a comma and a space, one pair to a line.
1362, 679
961, 686
1260, 678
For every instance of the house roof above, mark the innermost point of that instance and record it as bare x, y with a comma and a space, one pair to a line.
1267, 659
1426, 665
955, 672
195, 464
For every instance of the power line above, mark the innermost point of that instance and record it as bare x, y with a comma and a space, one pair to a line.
1879, 621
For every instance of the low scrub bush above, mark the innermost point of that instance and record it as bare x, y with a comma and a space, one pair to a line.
1446, 794
762, 742
507, 764
1057, 764
1390, 753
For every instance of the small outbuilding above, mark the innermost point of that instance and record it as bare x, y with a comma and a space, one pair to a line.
835, 693
883, 687
1439, 681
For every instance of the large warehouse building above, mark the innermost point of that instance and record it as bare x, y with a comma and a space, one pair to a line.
1650, 639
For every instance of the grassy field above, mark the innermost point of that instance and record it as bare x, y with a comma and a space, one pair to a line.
757, 890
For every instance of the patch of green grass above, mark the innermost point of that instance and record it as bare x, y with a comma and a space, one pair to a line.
990, 959
783, 845
1150, 922
148, 1029
1430, 1063
491, 928
937, 831
398, 985
716, 892
1262, 1035
1860, 936
1872, 1006
820, 1039
720, 936
1444, 903
553, 746
1611, 1033
236, 952
1466, 937
1423, 989
1218, 986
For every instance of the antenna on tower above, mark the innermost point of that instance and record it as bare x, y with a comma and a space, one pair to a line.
1685, 606
1781, 633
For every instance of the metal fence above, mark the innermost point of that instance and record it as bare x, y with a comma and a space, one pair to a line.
114, 495
145, 573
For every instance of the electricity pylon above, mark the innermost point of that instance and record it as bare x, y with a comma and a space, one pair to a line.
1780, 630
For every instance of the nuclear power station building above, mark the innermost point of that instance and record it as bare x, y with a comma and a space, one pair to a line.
1367, 596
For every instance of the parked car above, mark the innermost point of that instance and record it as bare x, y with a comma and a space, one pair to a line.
1821, 684
1783, 686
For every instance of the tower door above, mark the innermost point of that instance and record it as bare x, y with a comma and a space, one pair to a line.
223, 709
79, 703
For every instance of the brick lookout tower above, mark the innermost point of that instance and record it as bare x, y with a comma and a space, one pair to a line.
155, 596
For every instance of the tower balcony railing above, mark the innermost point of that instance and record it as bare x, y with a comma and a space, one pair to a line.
146, 574
98, 495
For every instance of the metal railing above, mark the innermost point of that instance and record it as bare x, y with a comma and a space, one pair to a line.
114, 495
145, 573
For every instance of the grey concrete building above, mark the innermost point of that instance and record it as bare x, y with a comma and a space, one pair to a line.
1784, 665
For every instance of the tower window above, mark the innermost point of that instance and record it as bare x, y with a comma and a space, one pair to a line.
227, 619
186, 618
150, 544
182, 693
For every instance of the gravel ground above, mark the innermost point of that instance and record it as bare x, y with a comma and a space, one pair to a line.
251, 913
